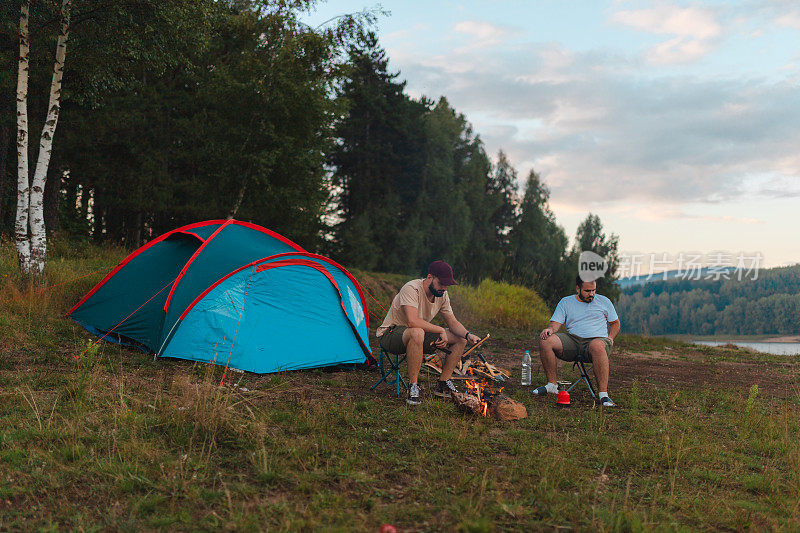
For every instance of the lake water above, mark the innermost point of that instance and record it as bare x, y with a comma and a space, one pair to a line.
777, 348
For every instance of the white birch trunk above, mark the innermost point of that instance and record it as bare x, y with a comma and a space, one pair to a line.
239, 199
23, 183
38, 245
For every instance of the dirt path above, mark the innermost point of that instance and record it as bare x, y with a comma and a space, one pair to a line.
680, 368
686, 369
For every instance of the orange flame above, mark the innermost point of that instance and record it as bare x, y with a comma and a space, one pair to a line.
475, 388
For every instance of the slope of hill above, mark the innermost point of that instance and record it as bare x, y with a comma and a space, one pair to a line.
102, 437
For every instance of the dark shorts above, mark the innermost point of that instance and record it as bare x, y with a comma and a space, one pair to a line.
578, 347
392, 341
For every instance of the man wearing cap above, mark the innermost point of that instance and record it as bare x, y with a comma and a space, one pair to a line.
592, 323
407, 328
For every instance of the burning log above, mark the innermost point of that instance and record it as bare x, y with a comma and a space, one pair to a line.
467, 403
480, 399
505, 408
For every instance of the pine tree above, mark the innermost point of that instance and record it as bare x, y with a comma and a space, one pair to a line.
378, 168
590, 237
483, 255
447, 219
538, 245
503, 189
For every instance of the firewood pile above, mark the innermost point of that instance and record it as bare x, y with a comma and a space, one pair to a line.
483, 369
469, 369
472, 364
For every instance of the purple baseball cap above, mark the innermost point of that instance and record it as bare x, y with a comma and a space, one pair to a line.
443, 271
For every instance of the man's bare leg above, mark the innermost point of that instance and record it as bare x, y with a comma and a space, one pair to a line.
456, 346
547, 353
413, 339
597, 349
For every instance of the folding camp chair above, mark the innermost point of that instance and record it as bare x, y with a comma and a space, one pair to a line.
579, 362
389, 365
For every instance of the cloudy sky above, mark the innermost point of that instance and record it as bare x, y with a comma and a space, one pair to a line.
678, 123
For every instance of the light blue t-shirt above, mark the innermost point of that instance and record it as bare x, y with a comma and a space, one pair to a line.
585, 320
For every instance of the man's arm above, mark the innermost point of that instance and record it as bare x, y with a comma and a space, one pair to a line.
613, 329
552, 329
414, 321
458, 328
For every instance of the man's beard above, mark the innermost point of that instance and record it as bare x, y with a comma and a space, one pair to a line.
587, 300
434, 292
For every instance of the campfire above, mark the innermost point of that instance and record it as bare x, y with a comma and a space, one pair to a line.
484, 393
482, 399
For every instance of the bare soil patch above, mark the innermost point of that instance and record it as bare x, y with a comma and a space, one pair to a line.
676, 368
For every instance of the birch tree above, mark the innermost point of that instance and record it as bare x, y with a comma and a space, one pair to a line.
23, 183
30, 234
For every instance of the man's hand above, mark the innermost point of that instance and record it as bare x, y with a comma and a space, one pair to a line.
472, 338
546, 332
611, 339
441, 342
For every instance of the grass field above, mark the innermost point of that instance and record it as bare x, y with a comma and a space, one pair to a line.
102, 437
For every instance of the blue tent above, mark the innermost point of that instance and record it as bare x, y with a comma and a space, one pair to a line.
231, 293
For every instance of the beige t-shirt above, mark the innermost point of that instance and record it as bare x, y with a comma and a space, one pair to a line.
413, 294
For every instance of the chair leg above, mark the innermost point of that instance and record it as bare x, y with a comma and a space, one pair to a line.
399, 380
383, 378
584, 377
382, 368
394, 361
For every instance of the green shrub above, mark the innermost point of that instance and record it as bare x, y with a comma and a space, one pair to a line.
499, 304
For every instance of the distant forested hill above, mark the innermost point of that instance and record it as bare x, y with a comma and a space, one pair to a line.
769, 304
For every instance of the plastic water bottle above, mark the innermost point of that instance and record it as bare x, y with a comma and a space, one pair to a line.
526, 368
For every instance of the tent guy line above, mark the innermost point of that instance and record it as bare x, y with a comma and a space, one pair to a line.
123, 320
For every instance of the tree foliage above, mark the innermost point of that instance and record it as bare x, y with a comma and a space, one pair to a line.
182, 110
538, 245
378, 170
769, 304
414, 182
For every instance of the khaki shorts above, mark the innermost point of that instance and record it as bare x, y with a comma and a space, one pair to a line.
392, 341
578, 347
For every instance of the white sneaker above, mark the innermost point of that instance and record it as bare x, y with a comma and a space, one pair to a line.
413, 395
605, 401
541, 391
444, 389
